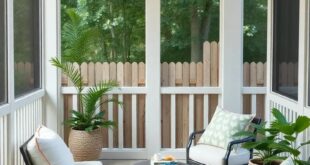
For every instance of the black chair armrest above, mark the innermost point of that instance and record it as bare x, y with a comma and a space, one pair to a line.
25, 153
190, 141
239, 141
193, 136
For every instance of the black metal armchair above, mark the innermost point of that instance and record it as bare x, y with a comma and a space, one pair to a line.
28, 161
24, 152
229, 147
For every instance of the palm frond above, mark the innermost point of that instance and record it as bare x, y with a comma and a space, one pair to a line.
74, 17
79, 40
94, 94
109, 100
69, 70
108, 124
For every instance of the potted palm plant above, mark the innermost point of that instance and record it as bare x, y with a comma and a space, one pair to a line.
279, 138
85, 138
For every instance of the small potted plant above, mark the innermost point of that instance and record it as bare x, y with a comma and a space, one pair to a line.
279, 138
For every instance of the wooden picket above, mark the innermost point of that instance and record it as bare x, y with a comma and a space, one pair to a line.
188, 73
199, 104
127, 107
179, 105
165, 108
254, 76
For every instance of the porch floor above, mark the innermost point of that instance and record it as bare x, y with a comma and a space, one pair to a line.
119, 162
123, 162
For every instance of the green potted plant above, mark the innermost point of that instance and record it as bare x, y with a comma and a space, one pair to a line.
86, 137
290, 132
279, 137
264, 153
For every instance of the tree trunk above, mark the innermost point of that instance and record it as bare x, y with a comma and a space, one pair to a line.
206, 21
196, 46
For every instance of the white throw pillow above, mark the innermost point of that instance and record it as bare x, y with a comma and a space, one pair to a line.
223, 126
47, 148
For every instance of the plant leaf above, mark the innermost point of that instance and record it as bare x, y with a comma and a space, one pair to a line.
89, 129
305, 143
285, 128
301, 162
279, 116
290, 138
288, 149
71, 72
302, 123
273, 158
94, 94
284, 142
108, 124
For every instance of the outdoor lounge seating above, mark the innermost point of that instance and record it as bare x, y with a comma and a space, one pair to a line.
46, 154
208, 154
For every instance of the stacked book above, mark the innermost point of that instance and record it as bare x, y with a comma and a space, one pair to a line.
165, 160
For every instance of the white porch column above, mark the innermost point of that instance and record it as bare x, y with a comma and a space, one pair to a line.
231, 54
153, 105
51, 79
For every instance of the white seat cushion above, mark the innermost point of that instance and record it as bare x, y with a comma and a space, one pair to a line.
47, 148
212, 155
88, 163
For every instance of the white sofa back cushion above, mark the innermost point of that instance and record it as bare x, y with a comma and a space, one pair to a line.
47, 148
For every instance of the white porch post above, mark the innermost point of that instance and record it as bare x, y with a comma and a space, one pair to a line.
231, 54
153, 105
51, 79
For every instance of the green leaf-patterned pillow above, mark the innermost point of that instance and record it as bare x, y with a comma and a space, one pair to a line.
223, 126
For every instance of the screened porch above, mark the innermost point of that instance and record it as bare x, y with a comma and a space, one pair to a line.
163, 101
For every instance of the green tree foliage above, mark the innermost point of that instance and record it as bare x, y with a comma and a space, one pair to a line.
255, 30
121, 23
185, 25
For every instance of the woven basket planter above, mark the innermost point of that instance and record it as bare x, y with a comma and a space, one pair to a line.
259, 162
86, 145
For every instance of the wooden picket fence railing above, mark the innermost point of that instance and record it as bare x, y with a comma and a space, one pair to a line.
174, 76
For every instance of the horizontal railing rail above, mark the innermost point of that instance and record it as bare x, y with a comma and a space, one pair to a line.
193, 103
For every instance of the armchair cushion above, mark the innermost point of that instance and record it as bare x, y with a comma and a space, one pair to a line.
212, 155
46, 148
223, 126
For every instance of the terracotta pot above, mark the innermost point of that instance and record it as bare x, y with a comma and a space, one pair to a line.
86, 145
260, 162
